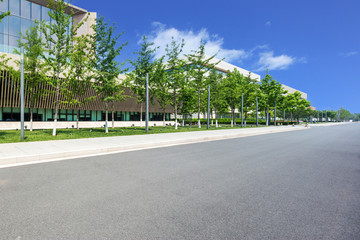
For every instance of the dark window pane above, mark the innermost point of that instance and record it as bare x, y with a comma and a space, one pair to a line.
4, 6
35, 12
25, 9
14, 26
4, 43
14, 7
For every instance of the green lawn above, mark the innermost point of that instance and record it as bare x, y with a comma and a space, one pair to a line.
11, 136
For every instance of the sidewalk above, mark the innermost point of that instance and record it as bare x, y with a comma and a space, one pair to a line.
30, 152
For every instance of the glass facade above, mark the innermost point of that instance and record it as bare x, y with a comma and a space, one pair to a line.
23, 15
13, 114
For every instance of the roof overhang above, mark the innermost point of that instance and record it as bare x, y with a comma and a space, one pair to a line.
76, 10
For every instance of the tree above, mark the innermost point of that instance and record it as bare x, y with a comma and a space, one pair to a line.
144, 64
104, 47
176, 75
161, 86
79, 75
271, 92
232, 91
249, 88
217, 101
34, 65
345, 114
58, 36
199, 66
295, 104
186, 99
291, 101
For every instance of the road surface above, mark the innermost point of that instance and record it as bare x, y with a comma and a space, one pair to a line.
293, 185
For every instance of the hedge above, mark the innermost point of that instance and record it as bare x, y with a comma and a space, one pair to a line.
249, 121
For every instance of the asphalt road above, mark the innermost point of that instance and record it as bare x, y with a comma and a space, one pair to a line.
293, 185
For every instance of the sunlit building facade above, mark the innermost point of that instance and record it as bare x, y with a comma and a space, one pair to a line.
24, 13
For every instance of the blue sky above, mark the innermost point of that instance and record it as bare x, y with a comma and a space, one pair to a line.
313, 46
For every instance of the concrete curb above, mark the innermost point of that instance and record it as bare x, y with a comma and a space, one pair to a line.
60, 154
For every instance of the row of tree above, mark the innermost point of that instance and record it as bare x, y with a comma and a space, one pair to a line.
56, 54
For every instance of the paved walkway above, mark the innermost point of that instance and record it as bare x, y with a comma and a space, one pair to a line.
30, 152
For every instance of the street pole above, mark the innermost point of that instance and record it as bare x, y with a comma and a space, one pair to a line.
275, 114
326, 118
242, 109
147, 104
284, 116
317, 120
208, 110
22, 93
257, 119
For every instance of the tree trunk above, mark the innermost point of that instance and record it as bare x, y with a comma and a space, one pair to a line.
175, 110
77, 119
183, 121
245, 119
106, 118
291, 116
216, 119
267, 117
141, 110
164, 118
199, 103
112, 119
31, 110
232, 117
56, 105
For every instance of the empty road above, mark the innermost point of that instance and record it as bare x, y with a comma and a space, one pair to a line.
293, 185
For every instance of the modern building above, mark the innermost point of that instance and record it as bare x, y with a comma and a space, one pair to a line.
292, 90
224, 67
23, 14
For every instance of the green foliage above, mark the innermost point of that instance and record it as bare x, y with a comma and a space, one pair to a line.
34, 66
11, 136
345, 114
144, 64
232, 90
58, 38
179, 85
199, 66
105, 68
217, 100
271, 92
250, 90
80, 72
161, 85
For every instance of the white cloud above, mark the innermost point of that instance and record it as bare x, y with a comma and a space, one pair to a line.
349, 54
268, 23
269, 61
162, 35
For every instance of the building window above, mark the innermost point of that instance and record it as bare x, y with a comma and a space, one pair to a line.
25, 9
36, 12
14, 7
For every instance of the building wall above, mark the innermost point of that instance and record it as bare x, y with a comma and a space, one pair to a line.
292, 90
44, 105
